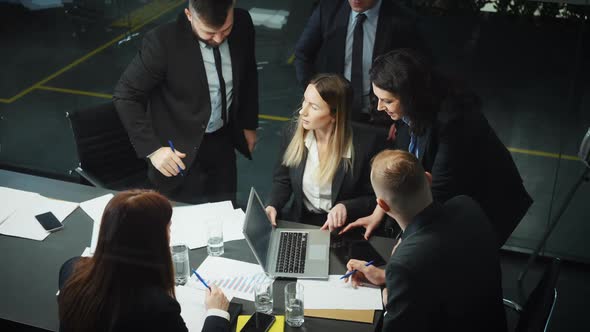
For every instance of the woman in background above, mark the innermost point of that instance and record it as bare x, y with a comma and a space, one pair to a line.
443, 126
324, 161
128, 285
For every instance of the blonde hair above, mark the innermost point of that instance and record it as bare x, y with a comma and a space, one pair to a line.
337, 93
401, 176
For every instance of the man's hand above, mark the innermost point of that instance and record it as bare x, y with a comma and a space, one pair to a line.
370, 223
336, 217
271, 212
250, 136
215, 299
167, 162
374, 275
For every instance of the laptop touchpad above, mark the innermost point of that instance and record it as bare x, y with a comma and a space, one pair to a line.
318, 251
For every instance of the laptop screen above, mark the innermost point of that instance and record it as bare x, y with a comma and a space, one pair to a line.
257, 227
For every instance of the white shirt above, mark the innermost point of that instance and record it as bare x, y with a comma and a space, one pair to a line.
215, 121
369, 32
316, 198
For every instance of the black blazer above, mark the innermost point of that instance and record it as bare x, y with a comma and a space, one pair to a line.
154, 310
445, 274
322, 44
466, 157
164, 95
351, 188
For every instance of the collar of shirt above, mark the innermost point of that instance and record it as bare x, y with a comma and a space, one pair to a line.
372, 13
422, 219
209, 47
310, 140
406, 120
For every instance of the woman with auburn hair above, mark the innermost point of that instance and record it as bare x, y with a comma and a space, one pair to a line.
128, 285
443, 126
324, 161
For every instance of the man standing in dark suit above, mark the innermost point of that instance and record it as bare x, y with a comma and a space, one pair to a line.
190, 97
344, 36
444, 272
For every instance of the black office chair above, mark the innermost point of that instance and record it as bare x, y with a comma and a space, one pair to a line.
107, 158
536, 313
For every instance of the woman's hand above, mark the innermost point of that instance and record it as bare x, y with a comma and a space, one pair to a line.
271, 212
336, 217
370, 223
215, 299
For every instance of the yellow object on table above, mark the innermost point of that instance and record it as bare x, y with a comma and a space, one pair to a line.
278, 326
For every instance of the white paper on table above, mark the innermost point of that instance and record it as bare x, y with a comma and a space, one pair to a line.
233, 226
22, 222
192, 307
336, 294
235, 278
95, 207
11, 200
94, 238
189, 223
86, 252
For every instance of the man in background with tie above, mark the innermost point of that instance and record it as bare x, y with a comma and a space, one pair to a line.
344, 36
189, 97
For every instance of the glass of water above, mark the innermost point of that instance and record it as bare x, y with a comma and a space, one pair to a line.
263, 300
180, 261
294, 304
215, 238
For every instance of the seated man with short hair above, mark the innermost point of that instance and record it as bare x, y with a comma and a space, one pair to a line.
444, 272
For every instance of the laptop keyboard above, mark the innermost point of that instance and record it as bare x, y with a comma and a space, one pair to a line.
292, 247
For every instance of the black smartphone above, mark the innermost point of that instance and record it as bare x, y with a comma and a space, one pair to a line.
259, 322
49, 222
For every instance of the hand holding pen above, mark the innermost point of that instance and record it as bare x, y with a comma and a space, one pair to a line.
214, 299
361, 271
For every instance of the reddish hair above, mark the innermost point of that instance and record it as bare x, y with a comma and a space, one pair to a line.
133, 252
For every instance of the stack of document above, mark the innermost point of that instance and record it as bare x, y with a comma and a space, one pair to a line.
95, 208
336, 294
188, 224
235, 278
19, 208
192, 306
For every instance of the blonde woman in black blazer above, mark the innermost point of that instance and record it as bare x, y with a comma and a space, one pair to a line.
324, 161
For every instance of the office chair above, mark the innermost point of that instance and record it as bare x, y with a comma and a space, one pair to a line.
107, 158
536, 313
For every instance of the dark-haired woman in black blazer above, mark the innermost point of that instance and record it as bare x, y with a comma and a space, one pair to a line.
444, 127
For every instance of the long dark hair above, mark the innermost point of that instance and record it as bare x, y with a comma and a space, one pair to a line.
132, 253
407, 75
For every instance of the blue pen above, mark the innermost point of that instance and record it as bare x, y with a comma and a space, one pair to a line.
202, 280
353, 271
173, 150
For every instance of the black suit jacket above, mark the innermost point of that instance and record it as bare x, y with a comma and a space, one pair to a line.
164, 94
154, 310
445, 274
466, 157
321, 46
351, 188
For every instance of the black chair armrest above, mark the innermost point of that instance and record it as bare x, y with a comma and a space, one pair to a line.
90, 178
512, 305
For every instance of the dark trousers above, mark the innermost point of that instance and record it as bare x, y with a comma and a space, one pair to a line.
213, 175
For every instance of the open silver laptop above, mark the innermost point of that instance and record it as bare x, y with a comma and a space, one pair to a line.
285, 252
